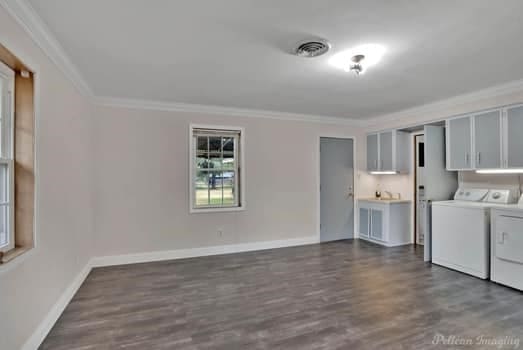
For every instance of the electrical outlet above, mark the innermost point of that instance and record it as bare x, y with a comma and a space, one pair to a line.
220, 232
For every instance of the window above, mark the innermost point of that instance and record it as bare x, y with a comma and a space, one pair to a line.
7, 78
215, 171
17, 157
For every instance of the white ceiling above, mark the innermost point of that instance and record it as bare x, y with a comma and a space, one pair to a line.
235, 53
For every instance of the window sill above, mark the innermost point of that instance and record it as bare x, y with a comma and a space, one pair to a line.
216, 210
12, 254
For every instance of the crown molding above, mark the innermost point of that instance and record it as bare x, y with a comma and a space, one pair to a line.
443, 105
219, 110
26, 16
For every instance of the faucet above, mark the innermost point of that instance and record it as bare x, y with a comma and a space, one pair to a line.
391, 195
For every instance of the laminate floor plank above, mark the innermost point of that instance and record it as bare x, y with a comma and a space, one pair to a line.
341, 295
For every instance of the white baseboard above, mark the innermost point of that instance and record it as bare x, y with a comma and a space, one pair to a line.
45, 326
197, 252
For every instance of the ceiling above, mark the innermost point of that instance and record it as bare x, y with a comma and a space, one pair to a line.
235, 53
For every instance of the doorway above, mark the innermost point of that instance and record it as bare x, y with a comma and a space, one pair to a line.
336, 189
419, 188
432, 182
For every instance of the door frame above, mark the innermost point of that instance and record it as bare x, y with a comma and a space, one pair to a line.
415, 136
342, 136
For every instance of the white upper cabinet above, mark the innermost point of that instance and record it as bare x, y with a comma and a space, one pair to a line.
487, 140
372, 152
388, 151
459, 143
513, 137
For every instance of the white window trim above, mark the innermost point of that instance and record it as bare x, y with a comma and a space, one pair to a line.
241, 175
7, 121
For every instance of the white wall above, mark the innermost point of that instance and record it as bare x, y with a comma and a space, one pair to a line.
142, 194
115, 181
404, 184
30, 285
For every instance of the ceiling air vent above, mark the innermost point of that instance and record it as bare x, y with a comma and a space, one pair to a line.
312, 48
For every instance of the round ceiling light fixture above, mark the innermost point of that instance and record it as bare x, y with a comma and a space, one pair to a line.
356, 65
358, 59
312, 47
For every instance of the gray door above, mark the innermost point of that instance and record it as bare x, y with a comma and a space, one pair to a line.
336, 189
515, 137
487, 139
386, 151
372, 152
459, 140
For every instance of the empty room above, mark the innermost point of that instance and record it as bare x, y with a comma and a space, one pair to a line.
239, 174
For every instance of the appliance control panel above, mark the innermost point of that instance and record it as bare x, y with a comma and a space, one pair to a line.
471, 194
502, 196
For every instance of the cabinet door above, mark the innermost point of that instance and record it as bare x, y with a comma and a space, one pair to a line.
459, 134
386, 163
515, 137
487, 140
372, 152
376, 224
364, 222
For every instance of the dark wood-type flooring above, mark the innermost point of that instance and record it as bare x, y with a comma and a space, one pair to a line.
341, 295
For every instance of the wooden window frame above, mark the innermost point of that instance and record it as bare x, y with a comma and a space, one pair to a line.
7, 94
22, 156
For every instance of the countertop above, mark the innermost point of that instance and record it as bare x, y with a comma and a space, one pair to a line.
385, 200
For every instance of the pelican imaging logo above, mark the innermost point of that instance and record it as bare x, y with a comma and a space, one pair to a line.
506, 342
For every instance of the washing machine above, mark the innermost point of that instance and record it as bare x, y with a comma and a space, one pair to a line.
461, 229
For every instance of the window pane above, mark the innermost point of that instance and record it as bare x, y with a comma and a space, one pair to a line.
202, 144
4, 235
215, 188
202, 161
228, 145
1, 92
209, 162
228, 188
2, 112
1, 136
228, 162
201, 188
215, 144
215, 161
4, 183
